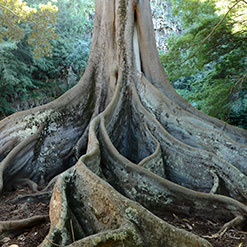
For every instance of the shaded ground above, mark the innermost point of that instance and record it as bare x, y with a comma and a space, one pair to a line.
32, 237
206, 228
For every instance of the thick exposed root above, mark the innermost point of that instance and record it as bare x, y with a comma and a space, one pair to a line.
7, 147
19, 151
190, 165
101, 216
154, 192
190, 129
97, 210
38, 144
31, 184
33, 198
14, 225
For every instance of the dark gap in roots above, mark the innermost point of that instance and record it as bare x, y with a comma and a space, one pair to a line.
222, 189
129, 134
128, 145
67, 162
80, 216
56, 238
244, 227
16, 171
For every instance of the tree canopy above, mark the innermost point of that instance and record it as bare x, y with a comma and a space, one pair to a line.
210, 56
48, 53
18, 21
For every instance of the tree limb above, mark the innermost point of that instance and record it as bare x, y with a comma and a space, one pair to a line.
212, 32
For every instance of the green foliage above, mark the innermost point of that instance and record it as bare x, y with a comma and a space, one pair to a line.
71, 49
25, 74
15, 75
212, 51
18, 20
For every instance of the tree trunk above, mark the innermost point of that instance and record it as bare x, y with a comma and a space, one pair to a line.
123, 132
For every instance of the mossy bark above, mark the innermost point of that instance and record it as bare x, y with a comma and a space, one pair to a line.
123, 132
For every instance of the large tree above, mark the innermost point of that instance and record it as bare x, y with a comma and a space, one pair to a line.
133, 147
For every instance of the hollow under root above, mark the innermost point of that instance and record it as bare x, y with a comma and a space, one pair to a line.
238, 221
43, 195
31, 184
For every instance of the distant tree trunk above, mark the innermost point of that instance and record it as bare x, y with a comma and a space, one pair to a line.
125, 133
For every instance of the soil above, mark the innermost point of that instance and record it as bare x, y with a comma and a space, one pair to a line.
208, 228
32, 237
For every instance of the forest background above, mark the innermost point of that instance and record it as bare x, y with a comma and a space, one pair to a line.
202, 45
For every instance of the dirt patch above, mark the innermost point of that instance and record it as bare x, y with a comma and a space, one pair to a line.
29, 237
32, 237
207, 228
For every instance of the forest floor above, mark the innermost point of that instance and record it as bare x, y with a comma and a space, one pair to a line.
32, 237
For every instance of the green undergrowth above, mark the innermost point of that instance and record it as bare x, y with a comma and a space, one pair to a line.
207, 62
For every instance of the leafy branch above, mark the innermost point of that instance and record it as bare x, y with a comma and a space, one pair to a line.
212, 31
10, 10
